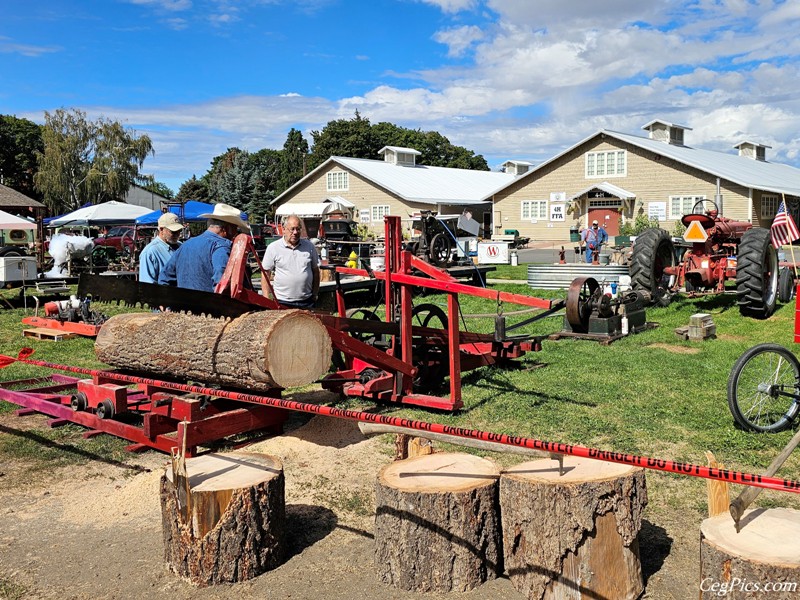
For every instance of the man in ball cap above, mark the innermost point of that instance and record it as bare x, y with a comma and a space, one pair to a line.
200, 261
156, 254
594, 238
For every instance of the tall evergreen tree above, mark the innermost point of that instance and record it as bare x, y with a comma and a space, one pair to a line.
193, 189
294, 160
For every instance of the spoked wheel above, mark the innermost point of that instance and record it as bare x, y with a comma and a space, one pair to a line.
373, 339
579, 305
432, 361
763, 388
439, 251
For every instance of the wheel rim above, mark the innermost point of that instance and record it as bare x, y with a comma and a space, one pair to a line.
770, 276
758, 388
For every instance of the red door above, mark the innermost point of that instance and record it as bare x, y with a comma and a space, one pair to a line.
607, 217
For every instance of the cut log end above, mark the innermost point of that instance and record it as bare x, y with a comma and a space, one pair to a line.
295, 353
442, 472
768, 536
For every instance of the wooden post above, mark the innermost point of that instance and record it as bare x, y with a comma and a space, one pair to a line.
437, 527
573, 536
229, 525
765, 551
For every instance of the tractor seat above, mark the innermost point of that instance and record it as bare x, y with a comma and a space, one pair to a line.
706, 221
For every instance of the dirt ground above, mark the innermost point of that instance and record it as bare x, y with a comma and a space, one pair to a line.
94, 531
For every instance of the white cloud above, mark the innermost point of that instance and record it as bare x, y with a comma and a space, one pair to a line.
8, 46
453, 6
459, 39
166, 5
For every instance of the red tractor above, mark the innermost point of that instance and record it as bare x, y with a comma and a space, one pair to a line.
732, 250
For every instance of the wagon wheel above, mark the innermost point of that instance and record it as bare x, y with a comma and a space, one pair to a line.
439, 251
579, 303
373, 339
432, 361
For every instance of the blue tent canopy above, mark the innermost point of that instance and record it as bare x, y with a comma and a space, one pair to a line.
192, 209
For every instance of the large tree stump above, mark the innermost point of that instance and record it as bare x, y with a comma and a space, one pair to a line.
437, 526
232, 526
574, 535
765, 552
258, 351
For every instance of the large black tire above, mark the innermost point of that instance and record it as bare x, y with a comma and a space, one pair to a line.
785, 285
652, 252
757, 274
763, 388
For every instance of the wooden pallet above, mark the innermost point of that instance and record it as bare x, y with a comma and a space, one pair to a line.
40, 333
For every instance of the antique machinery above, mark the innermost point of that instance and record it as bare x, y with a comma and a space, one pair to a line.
74, 315
722, 250
591, 313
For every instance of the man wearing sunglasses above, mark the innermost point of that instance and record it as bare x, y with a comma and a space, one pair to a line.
294, 265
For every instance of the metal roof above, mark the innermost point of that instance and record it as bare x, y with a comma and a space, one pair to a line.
419, 183
748, 172
609, 188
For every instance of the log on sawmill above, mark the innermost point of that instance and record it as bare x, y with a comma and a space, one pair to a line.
437, 527
258, 351
225, 520
573, 535
766, 551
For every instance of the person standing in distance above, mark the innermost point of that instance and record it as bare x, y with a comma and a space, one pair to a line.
156, 254
294, 265
200, 261
594, 238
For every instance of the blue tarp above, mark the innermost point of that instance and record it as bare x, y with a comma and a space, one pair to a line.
192, 210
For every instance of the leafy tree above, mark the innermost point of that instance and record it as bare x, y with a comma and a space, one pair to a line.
294, 159
193, 189
88, 161
162, 189
353, 138
20, 140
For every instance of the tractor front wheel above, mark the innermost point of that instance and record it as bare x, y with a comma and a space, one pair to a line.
652, 252
757, 274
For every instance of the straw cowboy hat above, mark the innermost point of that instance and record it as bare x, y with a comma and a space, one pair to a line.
229, 214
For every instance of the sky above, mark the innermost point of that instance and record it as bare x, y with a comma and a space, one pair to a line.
507, 79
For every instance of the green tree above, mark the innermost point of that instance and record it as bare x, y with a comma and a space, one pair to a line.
436, 150
232, 179
353, 138
294, 160
193, 189
20, 141
88, 161
267, 171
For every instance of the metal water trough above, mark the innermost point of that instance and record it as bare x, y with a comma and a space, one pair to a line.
559, 277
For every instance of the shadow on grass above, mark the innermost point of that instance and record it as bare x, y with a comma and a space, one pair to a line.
69, 449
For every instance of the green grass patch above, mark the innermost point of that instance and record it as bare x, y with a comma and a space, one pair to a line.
10, 590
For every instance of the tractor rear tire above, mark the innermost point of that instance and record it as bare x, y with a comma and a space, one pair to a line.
785, 285
757, 274
653, 251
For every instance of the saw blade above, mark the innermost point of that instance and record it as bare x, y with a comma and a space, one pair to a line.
107, 288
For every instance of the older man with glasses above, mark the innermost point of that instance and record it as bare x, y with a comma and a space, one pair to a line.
294, 265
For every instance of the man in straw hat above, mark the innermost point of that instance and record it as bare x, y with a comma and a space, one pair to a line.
156, 254
295, 265
200, 261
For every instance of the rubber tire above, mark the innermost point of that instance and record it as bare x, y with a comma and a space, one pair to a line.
785, 285
757, 261
652, 251
735, 384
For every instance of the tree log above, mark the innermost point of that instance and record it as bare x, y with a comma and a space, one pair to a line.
232, 526
765, 552
437, 526
573, 536
257, 351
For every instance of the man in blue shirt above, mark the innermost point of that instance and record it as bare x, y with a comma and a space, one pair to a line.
594, 239
200, 261
156, 254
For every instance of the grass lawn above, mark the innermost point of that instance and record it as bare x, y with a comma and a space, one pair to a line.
649, 394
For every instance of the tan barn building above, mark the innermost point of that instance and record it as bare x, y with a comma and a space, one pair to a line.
613, 177
395, 185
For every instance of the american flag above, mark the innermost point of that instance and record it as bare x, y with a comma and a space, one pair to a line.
783, 230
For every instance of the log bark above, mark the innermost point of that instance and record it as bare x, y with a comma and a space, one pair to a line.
232, 527
573, 536
765, 552
258, 351
437, 525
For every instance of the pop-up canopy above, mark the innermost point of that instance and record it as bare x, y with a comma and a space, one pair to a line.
9, 221
107, 213
192, 209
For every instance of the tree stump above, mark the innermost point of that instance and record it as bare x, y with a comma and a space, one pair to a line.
766, 551
258, 351
574, 535
437, 526
232, 526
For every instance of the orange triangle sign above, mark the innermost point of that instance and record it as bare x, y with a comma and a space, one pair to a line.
695, 233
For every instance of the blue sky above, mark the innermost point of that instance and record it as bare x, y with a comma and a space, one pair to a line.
517, 79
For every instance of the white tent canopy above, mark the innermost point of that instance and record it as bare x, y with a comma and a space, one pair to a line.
108, 213
9, 221
310, 209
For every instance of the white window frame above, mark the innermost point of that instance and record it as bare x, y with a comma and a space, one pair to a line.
769, 206
534, 210
378, 211
337, 181
686, 204
597, 164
